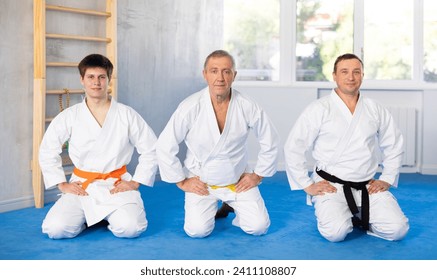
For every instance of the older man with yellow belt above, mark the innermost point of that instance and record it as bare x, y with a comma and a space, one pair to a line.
215, 124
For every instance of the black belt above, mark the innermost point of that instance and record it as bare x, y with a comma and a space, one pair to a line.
347, 185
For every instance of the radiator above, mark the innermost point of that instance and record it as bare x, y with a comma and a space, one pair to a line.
405, 118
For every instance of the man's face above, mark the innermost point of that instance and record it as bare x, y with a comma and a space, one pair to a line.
219, 75
349, 76
95, 81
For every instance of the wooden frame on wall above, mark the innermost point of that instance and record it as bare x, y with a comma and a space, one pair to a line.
40, 91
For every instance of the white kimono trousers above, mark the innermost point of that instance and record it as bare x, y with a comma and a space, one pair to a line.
99, 149
344, 145
218, 159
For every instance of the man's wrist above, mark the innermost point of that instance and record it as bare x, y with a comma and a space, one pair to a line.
60, 185
136, 184
260, 178
180, 183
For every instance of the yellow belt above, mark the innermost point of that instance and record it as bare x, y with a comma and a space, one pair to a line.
231, 187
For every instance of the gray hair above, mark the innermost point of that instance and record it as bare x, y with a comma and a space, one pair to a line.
220, 53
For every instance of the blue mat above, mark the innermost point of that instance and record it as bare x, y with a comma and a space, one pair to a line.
292, 236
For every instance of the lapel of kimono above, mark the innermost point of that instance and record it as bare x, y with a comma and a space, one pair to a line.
102, 133
219, 139
353, 120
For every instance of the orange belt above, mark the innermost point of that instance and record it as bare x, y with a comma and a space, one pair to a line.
91, 176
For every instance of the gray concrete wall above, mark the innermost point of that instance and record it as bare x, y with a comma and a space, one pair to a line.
157, 71
16, 89
161, 48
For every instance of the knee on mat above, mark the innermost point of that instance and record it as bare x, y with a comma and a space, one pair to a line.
335, 234
401, 231
198, 231
396, 232
258, 228
127, 228
61, 230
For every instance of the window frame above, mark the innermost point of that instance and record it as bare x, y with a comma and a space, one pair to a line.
287, 33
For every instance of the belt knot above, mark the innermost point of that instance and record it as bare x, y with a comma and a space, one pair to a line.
347, 185
91, 176
231, 187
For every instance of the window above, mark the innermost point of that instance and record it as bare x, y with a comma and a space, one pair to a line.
323, 30
430, 41
388, 39
251, 35
395, 38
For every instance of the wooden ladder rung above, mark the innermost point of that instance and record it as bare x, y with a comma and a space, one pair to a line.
77, 11
63, 91
61, 64
77, 37
69, 91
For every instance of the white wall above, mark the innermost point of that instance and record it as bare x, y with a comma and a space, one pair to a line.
284, 103
429, 133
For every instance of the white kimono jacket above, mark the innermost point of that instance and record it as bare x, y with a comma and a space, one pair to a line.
344, 145
99, 149
218, 159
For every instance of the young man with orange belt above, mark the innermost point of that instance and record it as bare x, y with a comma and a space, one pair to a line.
101, 135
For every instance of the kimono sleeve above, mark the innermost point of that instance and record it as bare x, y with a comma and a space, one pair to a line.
57, 133
391, 146
299, 141
268, 139
170, 166
144, 140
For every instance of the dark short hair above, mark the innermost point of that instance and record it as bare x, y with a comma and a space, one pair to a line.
346, 56
220, 53
95, 60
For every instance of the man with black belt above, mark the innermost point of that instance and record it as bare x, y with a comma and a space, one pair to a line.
344, 130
